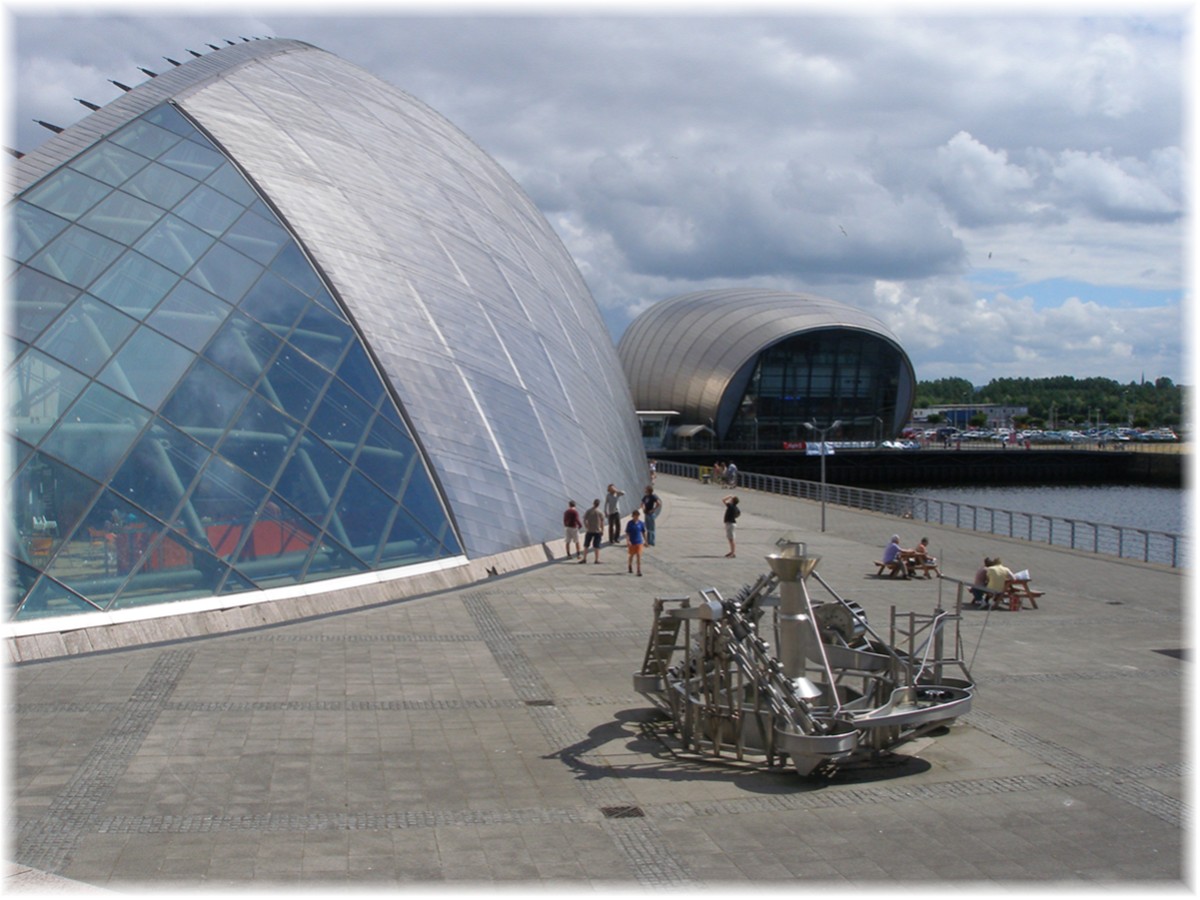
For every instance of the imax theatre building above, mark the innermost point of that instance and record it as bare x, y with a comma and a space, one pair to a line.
283, 333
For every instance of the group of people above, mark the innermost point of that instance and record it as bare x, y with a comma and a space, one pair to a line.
902, 562
991, 579
638, 531
725, 473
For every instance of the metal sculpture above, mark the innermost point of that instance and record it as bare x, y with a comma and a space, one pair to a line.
836, 692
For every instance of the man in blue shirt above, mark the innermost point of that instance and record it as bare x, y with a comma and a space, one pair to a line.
635, 530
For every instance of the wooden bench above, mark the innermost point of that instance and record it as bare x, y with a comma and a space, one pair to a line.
1015, 595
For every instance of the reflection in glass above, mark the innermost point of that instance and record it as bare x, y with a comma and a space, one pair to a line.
178, 431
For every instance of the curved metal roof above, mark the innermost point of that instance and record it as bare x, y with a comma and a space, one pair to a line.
685, 352
474, 311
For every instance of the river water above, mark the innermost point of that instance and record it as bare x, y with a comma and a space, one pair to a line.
1132, 506
1156, 511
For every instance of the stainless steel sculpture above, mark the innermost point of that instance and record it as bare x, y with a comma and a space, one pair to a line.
836, 691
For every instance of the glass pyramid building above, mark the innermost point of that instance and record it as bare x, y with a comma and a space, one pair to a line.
276, 322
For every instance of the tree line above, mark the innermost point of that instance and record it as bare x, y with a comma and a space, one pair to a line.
1068, 401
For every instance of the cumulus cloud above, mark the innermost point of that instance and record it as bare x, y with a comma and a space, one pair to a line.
963, 178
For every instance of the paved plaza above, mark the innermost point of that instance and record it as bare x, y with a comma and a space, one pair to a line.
490, 736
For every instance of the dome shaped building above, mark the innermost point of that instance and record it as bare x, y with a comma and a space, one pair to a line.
281, 329
755, 365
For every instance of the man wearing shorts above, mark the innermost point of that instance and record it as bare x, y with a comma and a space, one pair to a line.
593, 531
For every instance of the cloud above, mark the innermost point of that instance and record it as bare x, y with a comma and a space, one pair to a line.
960, 177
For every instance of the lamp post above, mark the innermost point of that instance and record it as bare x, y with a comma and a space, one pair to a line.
821, 432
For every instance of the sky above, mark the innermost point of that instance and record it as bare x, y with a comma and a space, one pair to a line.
1007, 190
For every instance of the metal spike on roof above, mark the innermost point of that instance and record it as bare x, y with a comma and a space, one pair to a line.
148, 72
17, 153
57, 129
172, 61
245, 38
214, 46
194, 53
123, 87
230, 43
88, 104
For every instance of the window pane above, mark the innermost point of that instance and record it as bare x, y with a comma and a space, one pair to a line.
256, 237
208, 210
341, 420
168, 117
189, 315
294, 382
142, 137
281, 542
109, 163
359, 373
77, 256
96, 431
192, 159
86, 335
387, 456
226, 498
259, 440
291, 265
229, 181
273, 301
204, 403
242, 348
38, 299
311, 477
147, 367
134, 284
67, 193
121, 217
226, 273
33, 228
49, 598
39, 390
48, 501
322, 336
159, 185
175, 244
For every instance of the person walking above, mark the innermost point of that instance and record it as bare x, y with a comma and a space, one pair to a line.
635, 530
612, 510
651, 504
732, 511
571, 525
593, 531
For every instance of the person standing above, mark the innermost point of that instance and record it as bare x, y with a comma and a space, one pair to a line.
593, 531
612, 510
571, 525
731, 474
635, 530
732, 511
651, 504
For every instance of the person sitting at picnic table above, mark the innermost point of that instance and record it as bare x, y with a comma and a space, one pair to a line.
893, 558
999, 578
920, 557
978, 594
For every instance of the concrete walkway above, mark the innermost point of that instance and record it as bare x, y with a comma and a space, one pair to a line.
490, 736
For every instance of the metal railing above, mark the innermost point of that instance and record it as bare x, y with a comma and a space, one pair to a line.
1121, 541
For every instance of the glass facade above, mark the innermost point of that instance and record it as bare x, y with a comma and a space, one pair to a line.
820, 376
192, 412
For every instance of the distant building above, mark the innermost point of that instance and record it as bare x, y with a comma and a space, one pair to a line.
999, 416
753, 366
277, 324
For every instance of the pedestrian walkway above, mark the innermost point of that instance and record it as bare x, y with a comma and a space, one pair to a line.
490, 736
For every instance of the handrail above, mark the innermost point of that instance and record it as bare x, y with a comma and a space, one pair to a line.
1122, 541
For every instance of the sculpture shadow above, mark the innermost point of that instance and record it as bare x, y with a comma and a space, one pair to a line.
648, 732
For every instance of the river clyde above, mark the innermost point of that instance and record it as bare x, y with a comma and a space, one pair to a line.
1131, 506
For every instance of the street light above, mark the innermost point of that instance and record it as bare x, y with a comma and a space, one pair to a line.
821, 432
